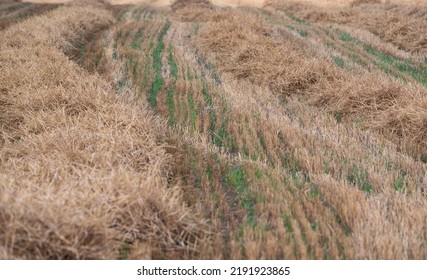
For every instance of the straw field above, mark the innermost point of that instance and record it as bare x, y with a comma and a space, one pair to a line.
213, 130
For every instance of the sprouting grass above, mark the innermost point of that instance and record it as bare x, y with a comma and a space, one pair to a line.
216, 136
295, 19
359, 177
314, 226
209, 173
172, 64
290, 27
121, 84
205, 92
158, 82
303, 33
221, 135
400, 183
419, 74
355, 58
296, 179
407, 67
383, 57
338, 61
136, 43
156, 86
387, 70
287, 222
258, 173
211, 67
344, 36
236, 178
314, 193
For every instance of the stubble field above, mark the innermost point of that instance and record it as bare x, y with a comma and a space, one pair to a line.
213, 130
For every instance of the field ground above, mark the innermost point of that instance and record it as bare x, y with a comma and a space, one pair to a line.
193, 130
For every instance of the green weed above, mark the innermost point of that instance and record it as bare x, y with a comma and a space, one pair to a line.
338, 61
344, 36
236, 178
359, 178
172, 64
314, 226
400, 183
303, 33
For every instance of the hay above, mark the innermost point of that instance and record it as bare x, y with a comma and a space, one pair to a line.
249, 51
382, 104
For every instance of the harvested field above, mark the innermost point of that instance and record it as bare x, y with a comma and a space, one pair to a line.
13, 11
214, 130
